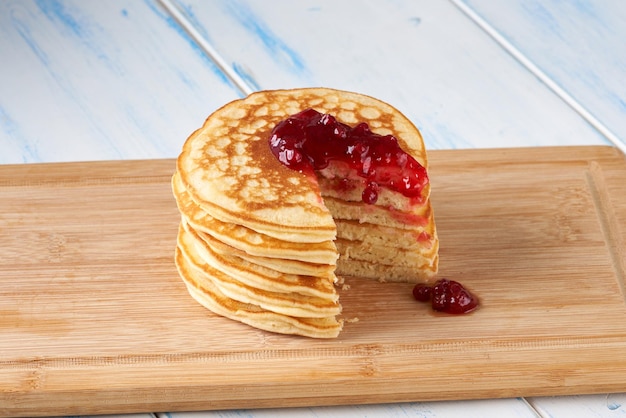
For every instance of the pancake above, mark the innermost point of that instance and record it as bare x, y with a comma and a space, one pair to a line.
230, 172
264, 243
281, 302
278, 265
227, 167
209, 296
255, 275
248, 240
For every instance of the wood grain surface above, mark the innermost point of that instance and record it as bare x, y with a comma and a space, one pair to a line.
94, 319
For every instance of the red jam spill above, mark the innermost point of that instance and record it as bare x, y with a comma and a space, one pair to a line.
446, 296
310, 140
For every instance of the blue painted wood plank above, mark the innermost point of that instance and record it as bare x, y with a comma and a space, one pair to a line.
513, 408
578, 45
426, 58
585, 406
89, 80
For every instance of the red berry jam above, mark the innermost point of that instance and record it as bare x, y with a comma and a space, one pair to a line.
311, 140
422, 292
446, 296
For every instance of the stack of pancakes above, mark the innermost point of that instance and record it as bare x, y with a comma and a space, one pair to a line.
262, 243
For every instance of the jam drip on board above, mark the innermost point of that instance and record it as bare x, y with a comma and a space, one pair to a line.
310, 140
446, 296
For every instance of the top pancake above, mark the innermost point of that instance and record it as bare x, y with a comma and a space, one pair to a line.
231, 173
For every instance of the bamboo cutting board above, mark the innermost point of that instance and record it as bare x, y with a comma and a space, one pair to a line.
94, 319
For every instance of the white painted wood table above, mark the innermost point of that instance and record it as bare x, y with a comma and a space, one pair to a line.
129, 79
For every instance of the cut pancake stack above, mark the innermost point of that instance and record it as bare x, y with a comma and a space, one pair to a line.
245, 275
261, 243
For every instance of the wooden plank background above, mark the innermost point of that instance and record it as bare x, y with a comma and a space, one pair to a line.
86, 80
577, 47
